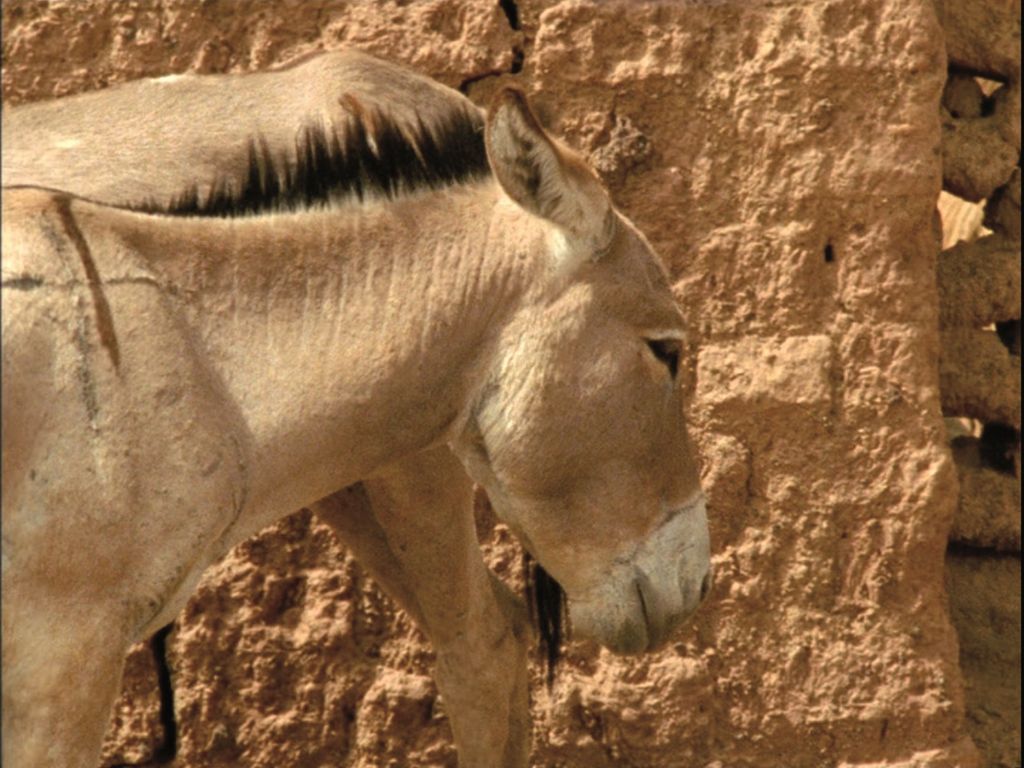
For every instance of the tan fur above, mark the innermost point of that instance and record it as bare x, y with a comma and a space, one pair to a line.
152, 139
289, 355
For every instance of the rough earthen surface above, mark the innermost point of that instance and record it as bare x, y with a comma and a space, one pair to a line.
990, 649
989, 513
979, 306
136, 734
979, 282
982, 37
785, 161
1002, 213
979, 378
977, 159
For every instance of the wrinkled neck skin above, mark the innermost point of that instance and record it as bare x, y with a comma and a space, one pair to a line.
359, 337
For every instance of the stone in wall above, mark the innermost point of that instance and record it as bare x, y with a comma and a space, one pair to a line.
979, 378
976, 158
980, 369
136, 733
982, 37
614, 145
758, 373
784, 161
979, 282
1002, 214
987, 617
989, 514
1006, 111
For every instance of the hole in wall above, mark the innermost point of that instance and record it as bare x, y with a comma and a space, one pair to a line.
517, 61
1009, 333
989, 88
830, 253
998, 444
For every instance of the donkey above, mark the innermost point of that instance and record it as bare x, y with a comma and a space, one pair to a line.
167, 143
513, 315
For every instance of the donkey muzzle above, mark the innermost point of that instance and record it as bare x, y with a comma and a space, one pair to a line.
649, 595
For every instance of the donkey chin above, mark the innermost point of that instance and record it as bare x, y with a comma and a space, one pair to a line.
650, 593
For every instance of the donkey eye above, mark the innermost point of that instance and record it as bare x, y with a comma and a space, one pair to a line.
667, 351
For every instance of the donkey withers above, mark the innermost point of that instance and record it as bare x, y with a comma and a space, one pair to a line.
524, 323
151, 139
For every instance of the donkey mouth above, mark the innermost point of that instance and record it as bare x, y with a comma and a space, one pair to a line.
631, 639
654, 625
657, 625
642, 630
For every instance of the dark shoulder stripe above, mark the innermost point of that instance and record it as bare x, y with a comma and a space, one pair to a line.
104, 317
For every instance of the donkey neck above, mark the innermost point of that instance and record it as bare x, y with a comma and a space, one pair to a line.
347, 337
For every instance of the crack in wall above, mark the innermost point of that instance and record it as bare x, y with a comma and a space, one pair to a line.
511, 11
167, 751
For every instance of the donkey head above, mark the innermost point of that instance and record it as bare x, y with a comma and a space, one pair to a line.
578, 433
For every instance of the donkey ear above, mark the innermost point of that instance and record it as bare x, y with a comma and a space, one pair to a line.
545, 179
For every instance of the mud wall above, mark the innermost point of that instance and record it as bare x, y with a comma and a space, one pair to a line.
979, 312
785, 161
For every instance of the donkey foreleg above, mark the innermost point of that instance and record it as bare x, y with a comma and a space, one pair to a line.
62, 673
349, 514
419, 541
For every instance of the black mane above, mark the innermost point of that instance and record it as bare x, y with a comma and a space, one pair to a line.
547, 606
369, 153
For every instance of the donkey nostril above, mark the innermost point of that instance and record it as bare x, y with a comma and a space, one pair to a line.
705, 585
